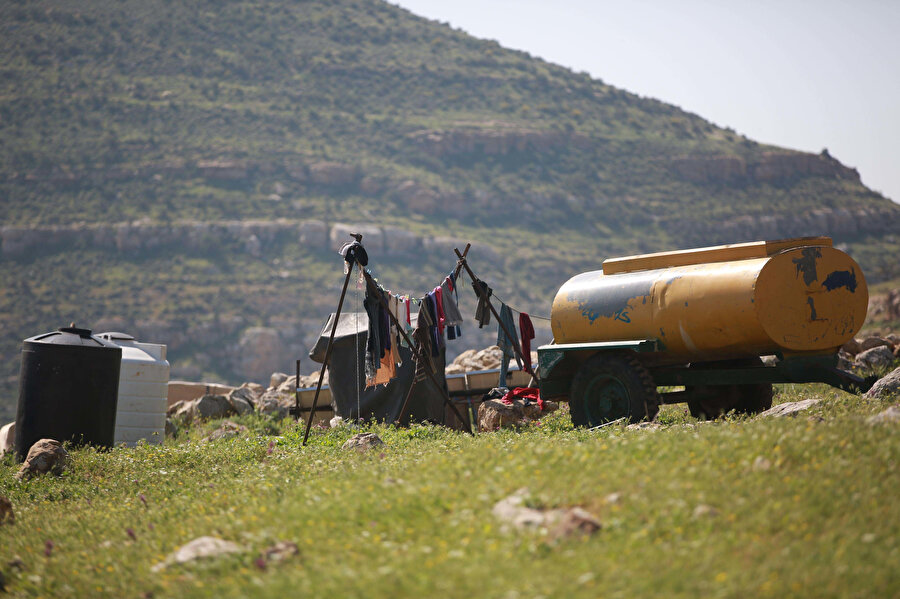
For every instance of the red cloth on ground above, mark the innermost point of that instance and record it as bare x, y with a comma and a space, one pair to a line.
531, 393
526, 329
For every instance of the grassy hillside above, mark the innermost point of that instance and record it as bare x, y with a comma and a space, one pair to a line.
151, 115
758, 507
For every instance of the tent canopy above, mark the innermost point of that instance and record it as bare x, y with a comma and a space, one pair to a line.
346, 377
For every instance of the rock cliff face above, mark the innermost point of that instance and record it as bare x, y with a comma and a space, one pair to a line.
769, 167
251, 236
836, 223
493, 139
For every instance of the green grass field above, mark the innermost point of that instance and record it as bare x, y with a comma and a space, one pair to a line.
757, 507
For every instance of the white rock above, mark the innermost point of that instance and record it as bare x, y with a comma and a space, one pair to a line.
200, 548
790, 408
7, 438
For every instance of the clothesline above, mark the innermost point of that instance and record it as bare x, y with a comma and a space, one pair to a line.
517, 311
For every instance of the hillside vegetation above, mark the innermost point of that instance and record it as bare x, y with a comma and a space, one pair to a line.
138, 139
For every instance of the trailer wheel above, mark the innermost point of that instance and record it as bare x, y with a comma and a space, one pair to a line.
718, 400
609, 387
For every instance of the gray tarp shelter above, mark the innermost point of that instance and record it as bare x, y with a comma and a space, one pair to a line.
346, 378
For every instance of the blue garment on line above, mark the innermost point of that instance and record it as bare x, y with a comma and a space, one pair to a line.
506, 344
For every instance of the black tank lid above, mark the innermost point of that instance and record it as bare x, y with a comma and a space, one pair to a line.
71, 335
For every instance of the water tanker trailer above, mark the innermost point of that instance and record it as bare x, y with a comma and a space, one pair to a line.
700, 321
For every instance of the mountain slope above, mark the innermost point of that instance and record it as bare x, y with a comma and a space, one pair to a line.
138, 139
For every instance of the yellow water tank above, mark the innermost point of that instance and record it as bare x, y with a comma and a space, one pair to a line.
795, 296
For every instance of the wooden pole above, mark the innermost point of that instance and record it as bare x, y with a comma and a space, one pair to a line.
374, 287
513, 338
337, 317
297, 392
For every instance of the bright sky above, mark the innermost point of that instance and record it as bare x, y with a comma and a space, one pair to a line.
802, 74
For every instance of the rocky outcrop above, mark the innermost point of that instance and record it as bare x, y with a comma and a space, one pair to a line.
223, 170
837, 222
708, 169
418, 198
332, 173
768, 167
254, 236
259, 348
493, 139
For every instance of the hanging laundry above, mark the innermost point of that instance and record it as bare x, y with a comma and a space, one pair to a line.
452, 316
438, 292
454, 332
437, 340
506, 343
423, 340
482, 311
374, 348
353, 252
386, 371
526, 330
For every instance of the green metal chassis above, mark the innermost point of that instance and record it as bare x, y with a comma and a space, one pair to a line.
559, 363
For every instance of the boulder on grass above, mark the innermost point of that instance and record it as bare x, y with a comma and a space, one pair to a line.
210, 407
6, 511
886, 386
873, 342
791, 408
891, 415
875, 358
558, 522
200, 548
47, 455
363, 442
276, 379
227, 430
242, 400
271, 403
494, 414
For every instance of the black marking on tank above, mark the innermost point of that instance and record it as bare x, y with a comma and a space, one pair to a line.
613, 301
806, 264
841, 278
812, 310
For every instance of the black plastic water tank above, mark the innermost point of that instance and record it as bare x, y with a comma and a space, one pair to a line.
68, 389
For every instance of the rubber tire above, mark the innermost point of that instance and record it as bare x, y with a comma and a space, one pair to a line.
743, 399
620, 376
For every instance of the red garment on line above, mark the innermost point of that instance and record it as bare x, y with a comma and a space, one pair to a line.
439, 302
526, 329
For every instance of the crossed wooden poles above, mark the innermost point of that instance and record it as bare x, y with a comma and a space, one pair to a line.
373, 286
